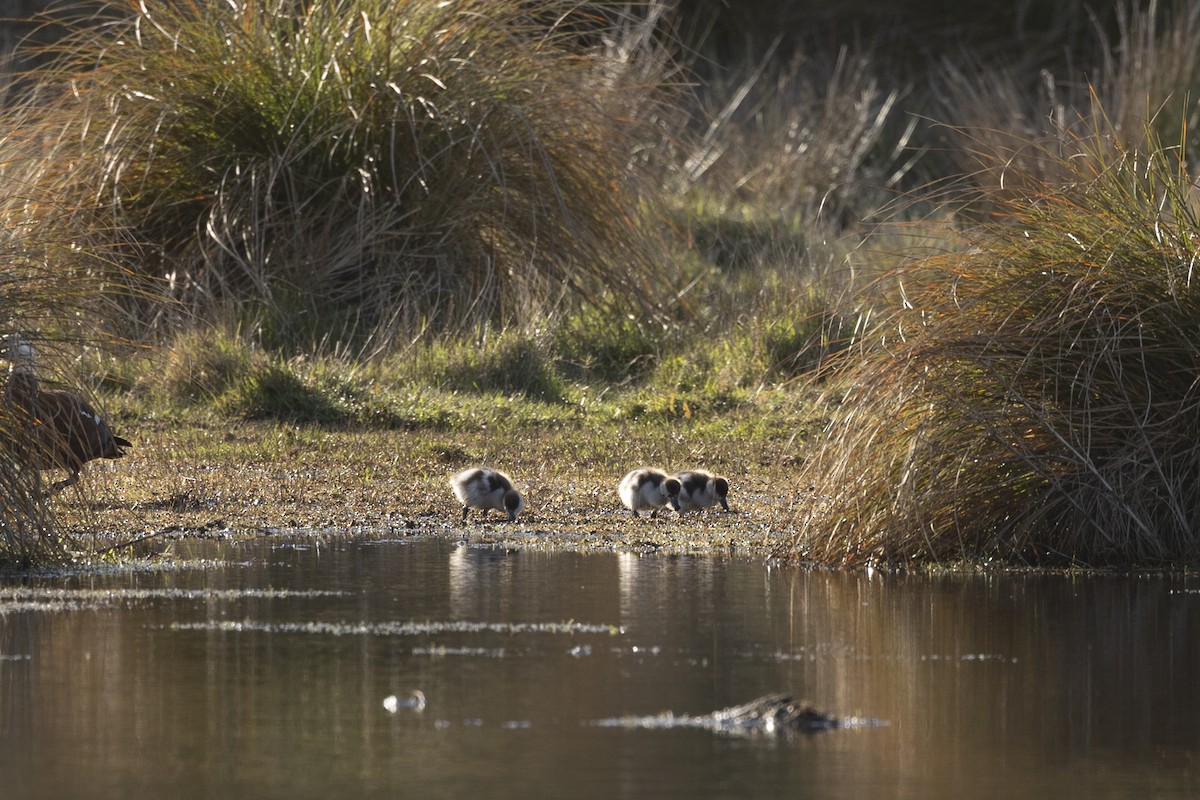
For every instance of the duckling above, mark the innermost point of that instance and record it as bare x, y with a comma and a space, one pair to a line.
486, 489
648, 488
65, 432
699, 490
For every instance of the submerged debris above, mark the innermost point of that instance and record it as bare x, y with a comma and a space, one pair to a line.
769, 715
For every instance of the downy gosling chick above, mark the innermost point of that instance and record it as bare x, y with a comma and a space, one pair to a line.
487, 489
648, 489
699, 490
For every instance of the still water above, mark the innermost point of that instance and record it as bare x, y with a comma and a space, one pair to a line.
261, 669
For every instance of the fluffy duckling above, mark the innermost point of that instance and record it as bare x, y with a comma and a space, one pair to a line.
699, 490
486, 489
650, 489
64, 431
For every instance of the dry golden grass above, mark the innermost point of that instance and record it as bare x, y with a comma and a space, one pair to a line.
1034, 397
360, 170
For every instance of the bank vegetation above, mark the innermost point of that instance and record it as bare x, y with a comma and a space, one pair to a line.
925, 295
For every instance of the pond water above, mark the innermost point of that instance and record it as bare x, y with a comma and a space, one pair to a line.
261, 669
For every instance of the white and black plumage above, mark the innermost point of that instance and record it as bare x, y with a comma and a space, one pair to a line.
648, 489
61, 429
486, 489
699, 490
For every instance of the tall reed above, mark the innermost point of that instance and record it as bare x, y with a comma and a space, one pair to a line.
1139, 81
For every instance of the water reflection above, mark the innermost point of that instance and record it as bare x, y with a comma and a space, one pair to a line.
480, 580
266, 674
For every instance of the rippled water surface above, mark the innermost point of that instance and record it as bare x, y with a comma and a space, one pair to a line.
263, 669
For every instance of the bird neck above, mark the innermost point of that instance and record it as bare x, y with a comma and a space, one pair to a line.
22, 385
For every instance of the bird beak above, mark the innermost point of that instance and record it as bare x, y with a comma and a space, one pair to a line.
675, 502
724, 504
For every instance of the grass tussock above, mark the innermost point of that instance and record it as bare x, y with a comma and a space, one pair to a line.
359, 167
1034, 397
202, 365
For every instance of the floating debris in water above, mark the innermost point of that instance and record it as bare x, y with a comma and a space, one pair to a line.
395, 628
770, 715
438, 651
51, 607
415, 700
33, 593
970, 657
131, 567
18, 599
830, 651
580, 650
638, 650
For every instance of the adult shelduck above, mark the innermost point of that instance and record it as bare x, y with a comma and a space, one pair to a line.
487, 489
699, 490
648, 489
61, 429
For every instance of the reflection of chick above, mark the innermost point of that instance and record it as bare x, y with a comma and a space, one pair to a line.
648, 489
486, 489
699, 490
64, 431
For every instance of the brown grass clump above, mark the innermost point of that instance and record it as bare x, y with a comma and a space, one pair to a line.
359, 168
1033, 397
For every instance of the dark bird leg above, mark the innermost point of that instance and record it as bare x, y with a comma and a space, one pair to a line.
58, 486
465, 510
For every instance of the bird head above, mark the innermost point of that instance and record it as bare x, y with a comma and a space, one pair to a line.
18, 351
